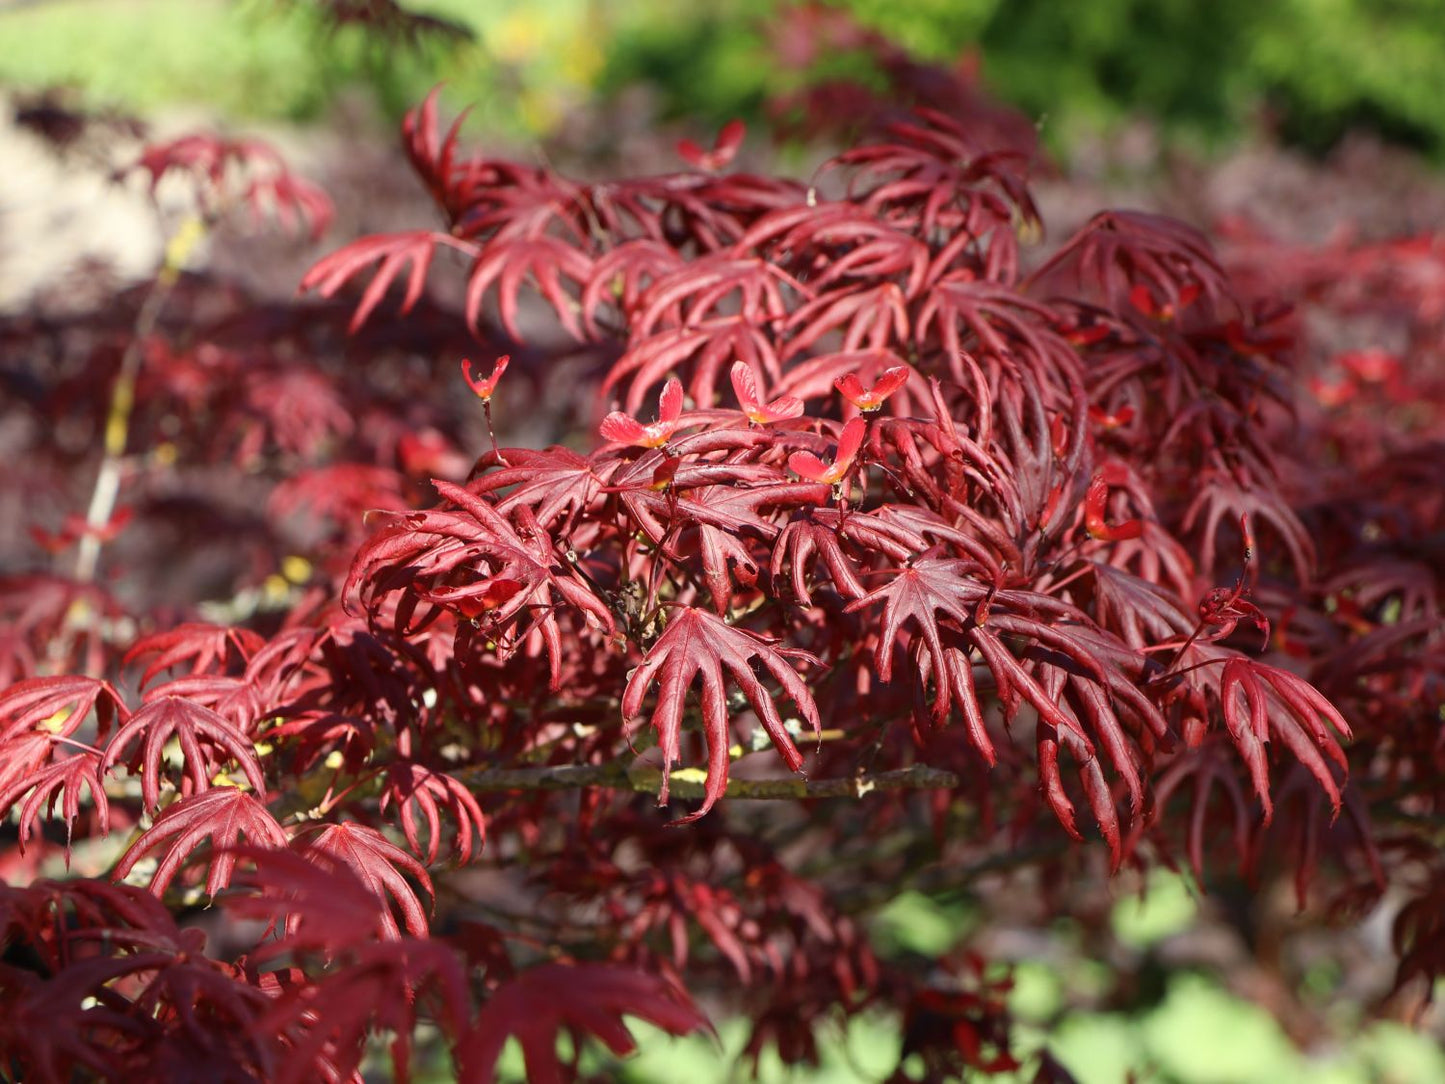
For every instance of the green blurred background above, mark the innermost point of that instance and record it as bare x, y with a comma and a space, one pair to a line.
1206, 70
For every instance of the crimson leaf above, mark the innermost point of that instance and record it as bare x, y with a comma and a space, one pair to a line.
224, 814
207, 741
378, 862
695, 643
585, 999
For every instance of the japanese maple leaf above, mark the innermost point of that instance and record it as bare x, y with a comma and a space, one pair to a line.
414, 789
238, 700
339, 495
1418, 934
702, 350
58, 705
59, 779
954, 613
698, 289
724, 503
379, 863
389, 252
1119, 250
554, 483
507, 262
656, 487
1219, 812
224, 814
1260, 701
591, 999
53, 1026
511, 568
721, 548
203, 648
382, 986
190, 988
317, 899
207, 741
622, 274
695, 643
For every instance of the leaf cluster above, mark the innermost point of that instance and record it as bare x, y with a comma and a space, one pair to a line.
857, 489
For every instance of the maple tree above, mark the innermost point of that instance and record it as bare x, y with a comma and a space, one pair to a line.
930, 540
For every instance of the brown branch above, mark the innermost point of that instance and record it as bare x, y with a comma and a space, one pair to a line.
691, 782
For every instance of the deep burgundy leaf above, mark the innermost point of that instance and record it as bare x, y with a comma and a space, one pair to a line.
208, 741
202, 648
383, 987
59, 705
584, 999
381, 865
390, 252
223, 814
696, 644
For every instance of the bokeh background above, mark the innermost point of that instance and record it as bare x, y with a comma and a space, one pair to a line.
1318, 119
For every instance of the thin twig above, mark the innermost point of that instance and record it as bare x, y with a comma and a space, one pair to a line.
122, 398
692, 782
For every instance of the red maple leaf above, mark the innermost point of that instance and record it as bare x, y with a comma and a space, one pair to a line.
380, 988
204, 648
418, 789
507, 568
315, 897
537, 1005
62, 779
379, 863
506, 262
695, 643
390, 252
1063, 676
207, 740
58, 705
1260, 700
224, 814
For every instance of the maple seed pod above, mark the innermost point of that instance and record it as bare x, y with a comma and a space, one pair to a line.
871, 399
745, 387
1147, 302
808, 466
1094, 500
483, 389
625, 429
723, 149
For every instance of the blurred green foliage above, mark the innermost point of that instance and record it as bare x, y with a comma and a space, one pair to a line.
1205, 69
1199, 1034
267, 60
